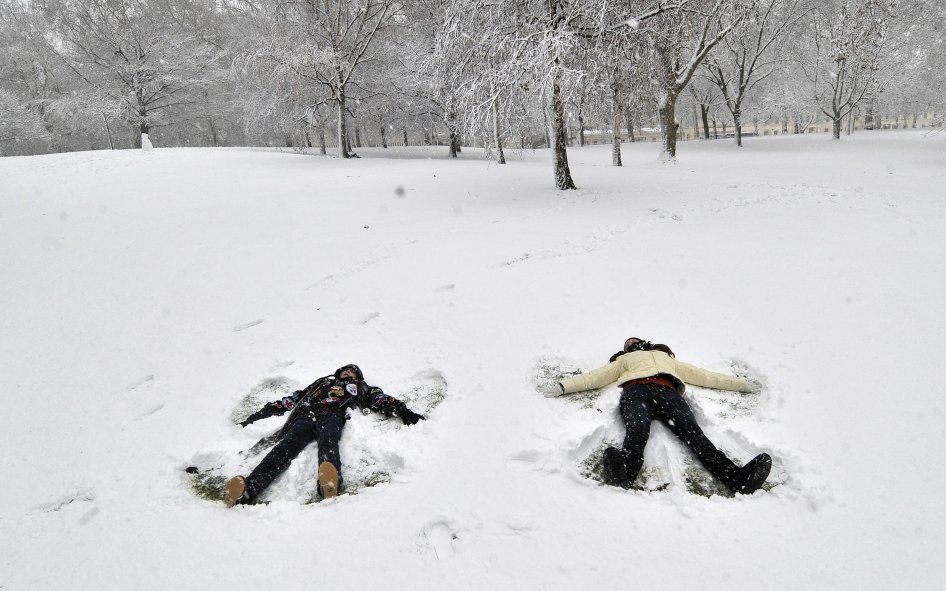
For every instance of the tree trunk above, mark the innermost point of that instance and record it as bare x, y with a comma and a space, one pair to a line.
715, 131
581, 129
497, 135
696, 121
357, 137
404, 131
452, 128
836, 126
629, 121
704, 111
322, 139
453, 144
737, 125
214, 134
107, 132
342, 129
563, 176
616, 124
140, 129
384, 136
668, 120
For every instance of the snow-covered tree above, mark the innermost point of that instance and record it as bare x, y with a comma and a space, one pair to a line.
138, 60
750, 54
846, 52
682, 38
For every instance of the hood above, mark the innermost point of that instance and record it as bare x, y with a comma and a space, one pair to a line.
352, 366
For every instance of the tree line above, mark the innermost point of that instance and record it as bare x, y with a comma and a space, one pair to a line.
334, 74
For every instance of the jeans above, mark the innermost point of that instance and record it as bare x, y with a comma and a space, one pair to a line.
643, 403
326, 430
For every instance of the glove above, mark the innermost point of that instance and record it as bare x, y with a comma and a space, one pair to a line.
409, 417
551, 389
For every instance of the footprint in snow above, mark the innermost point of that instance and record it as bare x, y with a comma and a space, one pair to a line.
241, 327
149, 412
661, 213
369, 318
89, 515
76, 495
140, 382
439, 536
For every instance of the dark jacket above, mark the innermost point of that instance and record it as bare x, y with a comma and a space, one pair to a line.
330, 395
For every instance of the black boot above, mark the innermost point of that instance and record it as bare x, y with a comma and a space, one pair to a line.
615, 467
753, 474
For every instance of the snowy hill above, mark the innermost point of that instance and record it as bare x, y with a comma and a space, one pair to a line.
150, 296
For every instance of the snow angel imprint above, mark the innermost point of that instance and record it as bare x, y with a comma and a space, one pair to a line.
653, 382
319, 412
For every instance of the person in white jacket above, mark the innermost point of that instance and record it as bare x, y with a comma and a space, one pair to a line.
653, 382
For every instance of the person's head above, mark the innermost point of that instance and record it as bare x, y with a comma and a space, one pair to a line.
638, 344
349, 372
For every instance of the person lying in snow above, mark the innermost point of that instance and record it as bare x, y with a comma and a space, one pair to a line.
318, 414
653, 383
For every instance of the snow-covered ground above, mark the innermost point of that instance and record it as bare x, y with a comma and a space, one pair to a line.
147, 294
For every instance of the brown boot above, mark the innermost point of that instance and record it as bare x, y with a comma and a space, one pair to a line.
328, 480
235, 492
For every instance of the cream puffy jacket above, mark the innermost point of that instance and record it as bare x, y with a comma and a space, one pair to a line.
644, 364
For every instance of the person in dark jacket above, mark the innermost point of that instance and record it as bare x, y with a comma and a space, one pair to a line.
653, 382
317, 413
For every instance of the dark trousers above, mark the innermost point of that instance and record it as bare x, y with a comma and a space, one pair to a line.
643, 403
326, 430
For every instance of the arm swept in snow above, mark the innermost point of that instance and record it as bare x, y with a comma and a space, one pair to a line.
710, 379
594, 379
284, 404
375, 399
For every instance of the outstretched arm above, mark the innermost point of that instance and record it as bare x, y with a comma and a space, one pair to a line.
594, 379
389, 406
710, 379
274, 408
283, 405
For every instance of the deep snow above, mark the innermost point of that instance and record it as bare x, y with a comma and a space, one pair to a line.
145, 294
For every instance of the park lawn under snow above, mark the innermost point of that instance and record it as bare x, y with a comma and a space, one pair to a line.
146, 295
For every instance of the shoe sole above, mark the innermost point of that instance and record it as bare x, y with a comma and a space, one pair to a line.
328, 480
236, 486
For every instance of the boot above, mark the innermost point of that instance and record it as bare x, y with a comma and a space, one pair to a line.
328, 480
236, 492
753, 475
615, 467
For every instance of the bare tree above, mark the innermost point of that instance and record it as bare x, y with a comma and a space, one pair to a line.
750, 54
134, 59
846, 54
326, 42
682, 38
